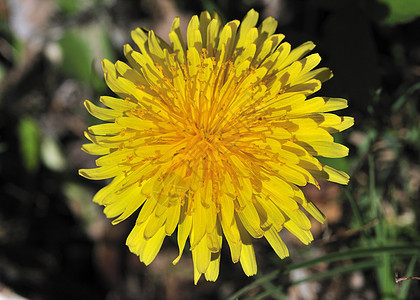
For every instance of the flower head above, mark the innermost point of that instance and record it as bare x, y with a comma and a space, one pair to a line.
214, 138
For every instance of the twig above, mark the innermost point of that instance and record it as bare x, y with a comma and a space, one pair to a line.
398, 279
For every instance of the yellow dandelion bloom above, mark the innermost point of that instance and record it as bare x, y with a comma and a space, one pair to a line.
214, 138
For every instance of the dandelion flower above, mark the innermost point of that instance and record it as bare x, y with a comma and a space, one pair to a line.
214, 137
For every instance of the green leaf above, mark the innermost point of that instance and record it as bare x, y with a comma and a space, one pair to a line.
403, 249
369, 253
77, 57
406, 283
29, 142
69, 6
401, 11
2, 72
368, 264
83, 49
100, 43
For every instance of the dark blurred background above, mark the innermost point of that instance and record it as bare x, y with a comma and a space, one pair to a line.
56, 244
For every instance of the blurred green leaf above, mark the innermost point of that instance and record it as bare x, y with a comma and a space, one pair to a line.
401, 11
402, 249
358, 219
52, 155
106, 49
210, 6
406, 283
83, 49
79, 199
77, 57
3, 147
29, 140
101, 46
2, 72
69, 6
340, 270
370, 254
341, 164
18, 50
405, 97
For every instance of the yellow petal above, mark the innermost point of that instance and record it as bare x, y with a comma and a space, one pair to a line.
199, 220
140, 38
321, 74
306, 88
134, 123
233, 238
263, 51
184, 229
205, 20
280, 192
299, 219
201, 256
152, 247
146, 211
172, 219
226, 42
267, 27
121, 86
100, 112
214, 239
276, 243
117, 104
135, 239
95, 149
101, 173
177, 41
194, 39
307, 107
290, 174
101, 197
115, 157
263, 214
249, 218
248, 22
213, 270
274, 213
247, 260
154, 224
213, 31
128, 73
310, 62
346, 122
193, 61
283, 50
332, 104
332, 175
298, 52
197, 274
105, 129
250, 38
325, 148
244, 60
125, 205
154, 47
284, 155
315, 212
305, 236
